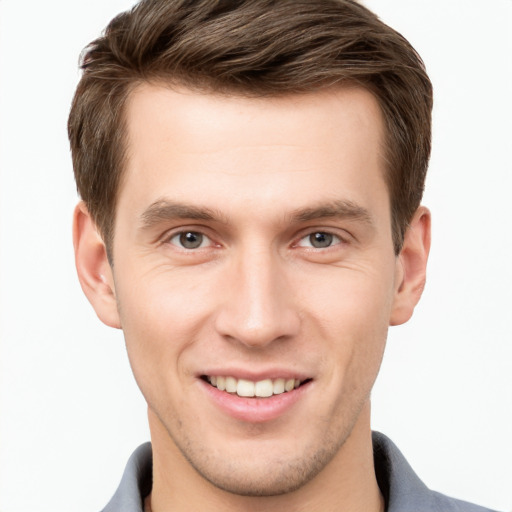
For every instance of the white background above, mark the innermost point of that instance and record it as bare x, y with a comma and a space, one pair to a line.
70, 413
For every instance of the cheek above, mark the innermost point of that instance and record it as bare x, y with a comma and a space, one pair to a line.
161, 319
351, 314
163, 300
349, 299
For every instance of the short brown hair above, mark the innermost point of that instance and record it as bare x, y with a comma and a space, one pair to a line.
250, 48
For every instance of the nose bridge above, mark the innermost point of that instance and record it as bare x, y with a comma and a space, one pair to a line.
259, 304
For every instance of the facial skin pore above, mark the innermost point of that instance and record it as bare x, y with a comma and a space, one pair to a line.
253, 240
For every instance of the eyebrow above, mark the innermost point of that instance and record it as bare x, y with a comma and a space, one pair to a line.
165, 210
342, 209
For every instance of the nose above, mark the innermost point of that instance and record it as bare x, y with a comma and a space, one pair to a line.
258, 301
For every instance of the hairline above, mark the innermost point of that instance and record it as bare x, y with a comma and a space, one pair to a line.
174, 84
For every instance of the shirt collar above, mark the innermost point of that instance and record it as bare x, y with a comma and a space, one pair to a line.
401, 487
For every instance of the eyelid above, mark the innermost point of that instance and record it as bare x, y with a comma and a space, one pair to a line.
336, 241
172, 233
205, 241
342, 236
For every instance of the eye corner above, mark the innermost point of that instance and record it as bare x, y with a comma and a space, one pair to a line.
188, 240
319, 239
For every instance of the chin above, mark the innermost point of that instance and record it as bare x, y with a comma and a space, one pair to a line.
278, 474
267, 481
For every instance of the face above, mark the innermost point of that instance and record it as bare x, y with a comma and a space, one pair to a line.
253, 252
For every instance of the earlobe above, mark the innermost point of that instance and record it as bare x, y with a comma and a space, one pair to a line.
93, 268
412, 262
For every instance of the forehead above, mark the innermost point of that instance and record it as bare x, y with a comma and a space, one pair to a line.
252, 150
190, 113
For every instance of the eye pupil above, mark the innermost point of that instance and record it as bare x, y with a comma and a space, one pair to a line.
319, 240
191, 240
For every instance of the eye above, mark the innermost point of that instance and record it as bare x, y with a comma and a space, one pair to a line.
190, 240
319, 240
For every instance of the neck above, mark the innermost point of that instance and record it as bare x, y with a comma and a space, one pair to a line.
348, 482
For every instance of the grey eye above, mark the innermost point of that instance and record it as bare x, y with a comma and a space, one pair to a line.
320, 240
189, 239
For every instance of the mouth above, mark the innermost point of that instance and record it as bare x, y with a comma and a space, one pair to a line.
253, 389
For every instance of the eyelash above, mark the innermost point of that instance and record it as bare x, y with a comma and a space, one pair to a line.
321, 236
333, 240
180, 234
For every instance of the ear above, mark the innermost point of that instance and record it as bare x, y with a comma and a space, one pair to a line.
93, 267
412, 262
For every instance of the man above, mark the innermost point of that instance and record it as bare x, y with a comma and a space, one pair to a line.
251, 176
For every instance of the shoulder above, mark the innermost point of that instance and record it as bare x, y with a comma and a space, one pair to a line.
135, 484
402, 488
446, 504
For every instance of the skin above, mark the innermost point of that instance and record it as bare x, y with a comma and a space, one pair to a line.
255, 178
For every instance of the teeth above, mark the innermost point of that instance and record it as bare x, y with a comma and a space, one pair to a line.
248, 388
231, 384
245, 388
278, 386
264, 388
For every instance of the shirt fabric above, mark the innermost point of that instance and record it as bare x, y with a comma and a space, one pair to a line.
403, 491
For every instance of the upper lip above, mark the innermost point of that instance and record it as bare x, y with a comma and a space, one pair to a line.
255, 376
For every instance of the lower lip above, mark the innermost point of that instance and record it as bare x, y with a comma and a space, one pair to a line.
254, 410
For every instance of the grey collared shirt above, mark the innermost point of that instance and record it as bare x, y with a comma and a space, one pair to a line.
402, 489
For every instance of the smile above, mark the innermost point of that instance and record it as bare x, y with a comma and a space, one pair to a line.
247, 388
